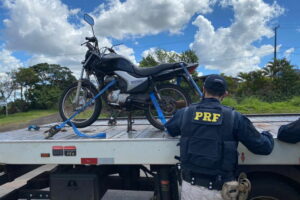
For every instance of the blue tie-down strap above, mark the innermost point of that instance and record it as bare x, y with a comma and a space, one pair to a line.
34, 127
80, 134
158, 109
56, 128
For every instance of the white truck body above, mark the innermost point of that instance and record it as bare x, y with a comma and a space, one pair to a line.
146, 145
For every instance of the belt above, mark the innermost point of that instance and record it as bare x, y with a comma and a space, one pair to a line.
207, 181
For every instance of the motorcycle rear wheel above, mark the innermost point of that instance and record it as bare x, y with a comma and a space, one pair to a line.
173, 98
67, 105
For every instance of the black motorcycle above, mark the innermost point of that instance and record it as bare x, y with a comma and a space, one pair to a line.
132, 88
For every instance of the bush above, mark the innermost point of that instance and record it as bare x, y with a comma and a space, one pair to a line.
228, 101
18, 106
295, 101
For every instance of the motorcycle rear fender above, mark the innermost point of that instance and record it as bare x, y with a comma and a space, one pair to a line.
171, 73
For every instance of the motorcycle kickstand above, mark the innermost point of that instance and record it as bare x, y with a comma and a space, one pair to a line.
130, 121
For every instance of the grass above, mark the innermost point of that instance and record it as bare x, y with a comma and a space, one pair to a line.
253, 105
249, 105
24, 116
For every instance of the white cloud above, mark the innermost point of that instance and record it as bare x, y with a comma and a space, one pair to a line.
42, 28
199, 73
288, 52
231, 49
136, 17
127, 53
170, 54
150, 51
8, 62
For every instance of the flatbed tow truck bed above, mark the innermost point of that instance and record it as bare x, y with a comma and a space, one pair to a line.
126, 154
146, 145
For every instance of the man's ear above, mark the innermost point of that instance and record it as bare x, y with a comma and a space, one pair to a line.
224, 95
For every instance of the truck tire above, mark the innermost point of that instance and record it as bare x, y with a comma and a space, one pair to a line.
272, 189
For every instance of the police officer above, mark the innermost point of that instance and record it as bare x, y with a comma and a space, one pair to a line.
290, 132
210, 133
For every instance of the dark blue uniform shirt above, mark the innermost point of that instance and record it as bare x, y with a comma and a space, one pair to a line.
290, 132
243, 131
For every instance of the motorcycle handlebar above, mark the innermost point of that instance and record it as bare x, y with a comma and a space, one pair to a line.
91, 39
111, 50
89, 46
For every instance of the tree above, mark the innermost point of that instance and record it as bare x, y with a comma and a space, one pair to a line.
148, 61
162, 56
273, 68
52, 74
26, 77
52, 79
7, 85
189, 56
286, 79
43, 83
279, 80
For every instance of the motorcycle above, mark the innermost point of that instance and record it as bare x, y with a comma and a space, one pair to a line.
132, 88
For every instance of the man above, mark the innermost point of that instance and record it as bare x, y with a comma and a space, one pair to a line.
290, 133
210, 133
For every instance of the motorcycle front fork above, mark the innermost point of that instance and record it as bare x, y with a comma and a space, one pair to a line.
76, 100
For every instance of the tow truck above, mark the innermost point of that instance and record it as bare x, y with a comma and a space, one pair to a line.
146, 159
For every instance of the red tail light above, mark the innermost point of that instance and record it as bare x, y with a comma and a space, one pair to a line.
192, 69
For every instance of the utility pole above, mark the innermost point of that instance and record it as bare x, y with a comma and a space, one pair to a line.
275, 43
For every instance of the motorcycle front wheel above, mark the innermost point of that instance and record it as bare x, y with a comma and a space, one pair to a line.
68, 105
173, 98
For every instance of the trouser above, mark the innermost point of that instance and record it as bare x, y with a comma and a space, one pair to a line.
195, 192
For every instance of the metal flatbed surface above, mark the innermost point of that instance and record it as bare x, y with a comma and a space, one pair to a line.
146, 145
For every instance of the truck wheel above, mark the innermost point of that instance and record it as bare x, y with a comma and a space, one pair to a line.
272, 189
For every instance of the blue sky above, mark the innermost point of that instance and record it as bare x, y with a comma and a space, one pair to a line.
229, 36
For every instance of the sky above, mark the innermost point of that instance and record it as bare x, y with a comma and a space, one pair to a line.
228, 36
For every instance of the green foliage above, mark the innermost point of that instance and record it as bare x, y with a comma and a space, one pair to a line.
43, 84
7, 85
18, 105
51, 74
228, 101
45, 96
295, 101
148, 61
162, 56
253, 105
189, 56
26, 77
278, 81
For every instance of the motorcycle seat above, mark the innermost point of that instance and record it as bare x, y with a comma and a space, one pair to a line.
146, 71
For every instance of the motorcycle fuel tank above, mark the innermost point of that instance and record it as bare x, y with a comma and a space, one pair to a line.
112, 62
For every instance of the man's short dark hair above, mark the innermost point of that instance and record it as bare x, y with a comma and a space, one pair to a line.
215, 85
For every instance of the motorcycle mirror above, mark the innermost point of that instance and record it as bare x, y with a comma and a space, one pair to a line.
89, 19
